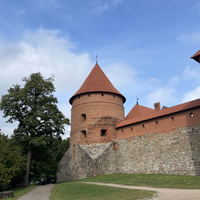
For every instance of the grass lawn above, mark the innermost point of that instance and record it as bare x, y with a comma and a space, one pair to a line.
18, 192
79, 191
151, 180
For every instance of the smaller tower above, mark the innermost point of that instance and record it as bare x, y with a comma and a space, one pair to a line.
97, 107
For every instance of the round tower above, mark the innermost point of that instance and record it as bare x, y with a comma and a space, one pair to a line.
97, 107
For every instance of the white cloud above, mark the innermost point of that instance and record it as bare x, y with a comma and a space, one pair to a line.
192, 95
66, 110
116, 2
190, 73
48, 52
100, 6
20, 13
121, 75
51, 52
193, 37
164, 95
45, 51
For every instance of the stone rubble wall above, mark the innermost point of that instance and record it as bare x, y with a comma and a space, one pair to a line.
174, 153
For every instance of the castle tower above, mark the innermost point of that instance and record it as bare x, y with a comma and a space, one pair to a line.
97, 107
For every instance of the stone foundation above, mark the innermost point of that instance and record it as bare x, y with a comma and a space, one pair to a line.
174, 153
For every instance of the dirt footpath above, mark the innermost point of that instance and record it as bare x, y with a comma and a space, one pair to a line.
42, 192
162, 193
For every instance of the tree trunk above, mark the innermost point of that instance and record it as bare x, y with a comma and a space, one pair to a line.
28, 164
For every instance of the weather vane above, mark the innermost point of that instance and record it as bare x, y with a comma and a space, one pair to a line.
137, 100
96, 59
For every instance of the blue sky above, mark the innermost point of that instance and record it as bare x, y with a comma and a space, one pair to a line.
143, 46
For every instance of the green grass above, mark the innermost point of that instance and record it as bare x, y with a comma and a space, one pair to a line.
18, 192
80, 191
151, 180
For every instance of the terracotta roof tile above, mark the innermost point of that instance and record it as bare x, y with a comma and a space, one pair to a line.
196, 56
171, 110
97, 81
139, 110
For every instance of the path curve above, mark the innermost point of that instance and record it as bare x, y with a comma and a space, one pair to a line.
162, 193
42, 192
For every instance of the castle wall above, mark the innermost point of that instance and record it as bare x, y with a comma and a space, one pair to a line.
88, 110
165, 124
177, 152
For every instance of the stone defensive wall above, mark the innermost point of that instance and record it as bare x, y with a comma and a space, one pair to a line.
173, 152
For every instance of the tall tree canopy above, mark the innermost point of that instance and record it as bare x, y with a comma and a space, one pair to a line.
12, 162
34, 107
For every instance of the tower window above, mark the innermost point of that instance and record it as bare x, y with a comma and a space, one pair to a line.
113, 96
143, 125
101, 94
172, 118
88, 95
131, 128
83, 133
156, 122
191, 115
83, 117
103, 132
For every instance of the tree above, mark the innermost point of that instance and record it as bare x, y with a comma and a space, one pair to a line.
12, 162
46, 158
34, 107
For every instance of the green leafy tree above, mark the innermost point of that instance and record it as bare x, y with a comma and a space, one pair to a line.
46, 158
12, 162
62, 148
34, 107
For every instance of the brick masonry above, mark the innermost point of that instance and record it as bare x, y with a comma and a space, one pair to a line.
93, 112
177, 152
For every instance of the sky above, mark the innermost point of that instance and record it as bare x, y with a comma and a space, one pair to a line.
143, 46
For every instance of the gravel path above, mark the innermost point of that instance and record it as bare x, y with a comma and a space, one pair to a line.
162, 193
41, 192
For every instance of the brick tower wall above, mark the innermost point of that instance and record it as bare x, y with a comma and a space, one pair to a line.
93, 112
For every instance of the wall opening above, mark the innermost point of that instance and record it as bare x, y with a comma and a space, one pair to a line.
83, 134
172, 118
103, 132
143, 125
83, 117
114, 146
101, 94
88, 95
191, 115
74, 151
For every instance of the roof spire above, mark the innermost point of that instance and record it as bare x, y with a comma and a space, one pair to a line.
96, 59
137, 100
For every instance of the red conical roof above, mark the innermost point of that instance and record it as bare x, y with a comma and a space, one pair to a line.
97, 81
138, 110
196, 56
